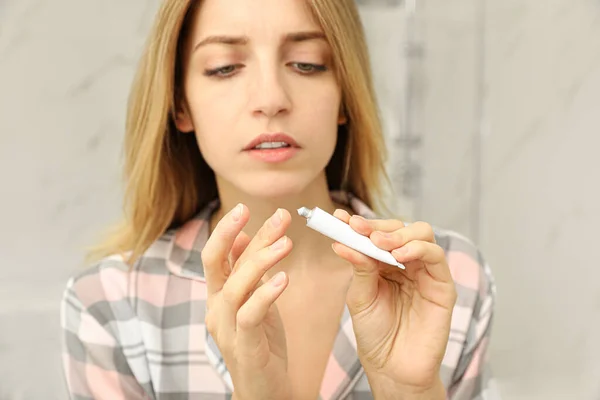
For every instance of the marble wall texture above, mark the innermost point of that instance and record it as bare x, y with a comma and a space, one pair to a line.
490, 107
505, 101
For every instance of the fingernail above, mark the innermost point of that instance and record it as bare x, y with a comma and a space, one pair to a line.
278, 279
279, 244
237, 212
277, 217
359, 217
402, 251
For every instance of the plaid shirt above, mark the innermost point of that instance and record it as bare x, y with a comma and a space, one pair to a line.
140, 334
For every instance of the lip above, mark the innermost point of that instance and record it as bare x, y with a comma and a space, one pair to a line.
273, 156
271, 137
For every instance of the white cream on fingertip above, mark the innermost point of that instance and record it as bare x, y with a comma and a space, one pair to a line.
336, 229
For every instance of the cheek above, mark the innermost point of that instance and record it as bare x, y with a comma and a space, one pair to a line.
215, 119
319, 100
320, 118
212, 113
210, 140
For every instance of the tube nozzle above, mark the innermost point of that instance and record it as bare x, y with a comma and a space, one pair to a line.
304, 212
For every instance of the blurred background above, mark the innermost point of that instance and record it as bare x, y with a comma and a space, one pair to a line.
491, 111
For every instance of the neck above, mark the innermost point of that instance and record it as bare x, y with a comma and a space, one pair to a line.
311, 249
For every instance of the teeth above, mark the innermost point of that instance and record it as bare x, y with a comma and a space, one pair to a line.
272, 145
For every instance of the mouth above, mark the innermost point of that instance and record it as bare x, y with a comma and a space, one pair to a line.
272, 148
271, 142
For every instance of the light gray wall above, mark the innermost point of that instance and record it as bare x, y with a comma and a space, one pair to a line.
541, 194
514, 87
65, 69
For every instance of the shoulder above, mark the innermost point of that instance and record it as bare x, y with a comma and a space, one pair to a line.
111, 287
466, 359
103, 281
475, 288
470, 269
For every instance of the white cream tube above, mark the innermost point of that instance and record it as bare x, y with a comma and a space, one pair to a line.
325, 223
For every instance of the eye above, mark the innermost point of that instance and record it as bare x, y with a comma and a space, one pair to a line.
308, 68
222, 72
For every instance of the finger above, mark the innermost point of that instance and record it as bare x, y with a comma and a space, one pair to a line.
216, 251
364, 287
272, 230
342, 215
253, 312
240, 244
368, 226
432, 256
243, 282
398, 238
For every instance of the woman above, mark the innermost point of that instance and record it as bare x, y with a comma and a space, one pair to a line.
241, 111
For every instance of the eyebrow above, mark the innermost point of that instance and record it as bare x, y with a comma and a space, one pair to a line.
294, 37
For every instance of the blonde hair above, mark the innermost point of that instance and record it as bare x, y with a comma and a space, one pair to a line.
167, 179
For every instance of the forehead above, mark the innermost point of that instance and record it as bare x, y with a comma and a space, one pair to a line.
254, 17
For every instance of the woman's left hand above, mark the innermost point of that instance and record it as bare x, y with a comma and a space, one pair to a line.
401, 318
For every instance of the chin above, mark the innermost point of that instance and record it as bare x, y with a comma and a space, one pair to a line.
284, 185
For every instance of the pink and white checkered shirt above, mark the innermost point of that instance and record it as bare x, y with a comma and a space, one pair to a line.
140, 334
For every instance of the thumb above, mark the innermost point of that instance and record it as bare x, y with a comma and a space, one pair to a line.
364, 287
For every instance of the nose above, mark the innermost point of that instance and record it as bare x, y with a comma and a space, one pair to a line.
270, 94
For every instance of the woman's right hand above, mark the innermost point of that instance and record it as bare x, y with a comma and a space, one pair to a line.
242, 317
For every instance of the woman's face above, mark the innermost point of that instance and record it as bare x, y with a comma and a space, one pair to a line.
261, 67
